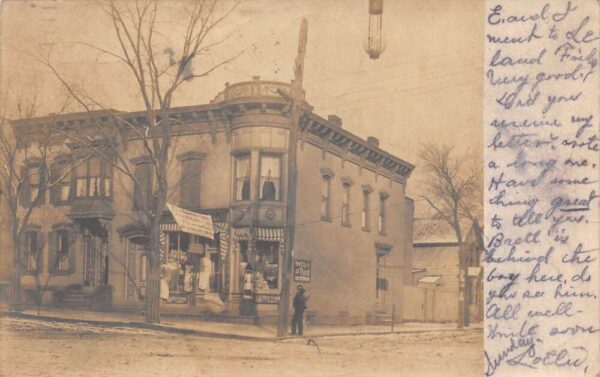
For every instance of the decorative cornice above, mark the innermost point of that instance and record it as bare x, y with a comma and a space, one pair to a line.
254, 96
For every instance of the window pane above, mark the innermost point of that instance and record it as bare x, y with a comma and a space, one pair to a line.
270, 166
325, 187
242, 178
243, 167
323, 206
107, 181
267, 255
94, 186
81, 188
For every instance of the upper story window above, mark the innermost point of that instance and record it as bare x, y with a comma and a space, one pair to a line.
326, 176
189, 193
142, 188
383, 196
242, 178
32, 176
270, 177
93, 178
366, 207
325, 192
60, 179
346, 184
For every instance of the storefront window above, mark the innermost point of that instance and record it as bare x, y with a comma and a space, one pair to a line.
265, 267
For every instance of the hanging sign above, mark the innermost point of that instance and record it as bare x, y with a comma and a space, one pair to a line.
191, 222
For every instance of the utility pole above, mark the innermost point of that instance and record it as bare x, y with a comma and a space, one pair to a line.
297, 101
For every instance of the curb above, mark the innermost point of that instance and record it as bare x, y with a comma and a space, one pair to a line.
210, 334
139, 325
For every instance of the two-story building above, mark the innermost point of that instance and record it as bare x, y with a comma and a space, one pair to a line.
228, 160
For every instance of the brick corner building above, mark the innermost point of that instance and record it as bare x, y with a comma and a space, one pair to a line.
228, 160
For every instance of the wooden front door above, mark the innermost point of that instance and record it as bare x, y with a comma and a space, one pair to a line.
95, 261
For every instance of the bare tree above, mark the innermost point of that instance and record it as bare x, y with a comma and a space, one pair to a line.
453, 189
157, 80
25, 178
451, 185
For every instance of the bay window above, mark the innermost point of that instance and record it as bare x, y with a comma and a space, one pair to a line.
93, 178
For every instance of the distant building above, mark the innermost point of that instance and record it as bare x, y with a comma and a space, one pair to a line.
435, 272
6, 251
229, 161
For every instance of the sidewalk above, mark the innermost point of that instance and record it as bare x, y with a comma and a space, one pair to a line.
222, 330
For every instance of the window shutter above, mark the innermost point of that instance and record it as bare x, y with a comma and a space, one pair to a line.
40, 251
54, 191
43, 184
72, 239
25, 192
23, 251
190, 183
52, 252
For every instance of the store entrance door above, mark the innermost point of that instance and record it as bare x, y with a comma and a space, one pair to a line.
381, 282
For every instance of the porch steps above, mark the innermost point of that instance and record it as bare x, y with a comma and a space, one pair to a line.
78, 297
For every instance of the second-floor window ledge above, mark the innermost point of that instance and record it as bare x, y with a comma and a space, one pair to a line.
192, 155
347, 181
326, 172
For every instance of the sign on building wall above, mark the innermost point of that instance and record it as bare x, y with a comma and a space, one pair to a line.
302, 270
191, 222
267, 298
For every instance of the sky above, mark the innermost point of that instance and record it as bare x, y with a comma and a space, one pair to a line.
426, 86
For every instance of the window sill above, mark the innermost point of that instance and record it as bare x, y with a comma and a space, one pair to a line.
347, 225
326, 218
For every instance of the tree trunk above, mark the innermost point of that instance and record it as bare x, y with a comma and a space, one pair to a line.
15, 291
153, 287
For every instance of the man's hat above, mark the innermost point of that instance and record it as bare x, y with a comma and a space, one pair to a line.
300, 287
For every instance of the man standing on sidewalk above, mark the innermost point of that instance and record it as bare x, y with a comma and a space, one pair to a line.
299, 307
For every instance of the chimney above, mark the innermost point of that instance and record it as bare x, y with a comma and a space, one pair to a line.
335, 120
373, 141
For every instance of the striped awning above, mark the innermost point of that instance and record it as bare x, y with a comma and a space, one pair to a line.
262, 234
173, 227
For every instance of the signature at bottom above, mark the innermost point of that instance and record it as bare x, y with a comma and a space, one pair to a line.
527, 356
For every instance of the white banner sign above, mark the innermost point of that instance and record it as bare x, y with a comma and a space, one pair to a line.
191, 222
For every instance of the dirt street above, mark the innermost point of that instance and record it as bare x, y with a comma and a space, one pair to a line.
37, 348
